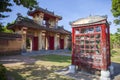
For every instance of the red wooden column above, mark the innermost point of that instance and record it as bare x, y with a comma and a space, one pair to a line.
35, 43
108, 28
61, 43
73, 45
104, 48
51, 42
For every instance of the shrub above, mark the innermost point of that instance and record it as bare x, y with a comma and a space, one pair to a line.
2, 72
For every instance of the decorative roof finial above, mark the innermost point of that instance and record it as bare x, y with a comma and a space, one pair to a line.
19, 14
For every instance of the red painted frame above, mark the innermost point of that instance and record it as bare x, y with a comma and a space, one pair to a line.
104, 48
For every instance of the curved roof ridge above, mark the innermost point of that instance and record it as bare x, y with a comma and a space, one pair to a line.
89, 20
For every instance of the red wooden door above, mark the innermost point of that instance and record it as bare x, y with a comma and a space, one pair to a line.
61, 43
51, 43
35, 43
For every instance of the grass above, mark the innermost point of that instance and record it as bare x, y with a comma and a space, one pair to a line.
42, 69
44, 66
115, 55
57, 60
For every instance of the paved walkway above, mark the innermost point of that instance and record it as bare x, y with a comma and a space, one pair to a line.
78, 75
46, 52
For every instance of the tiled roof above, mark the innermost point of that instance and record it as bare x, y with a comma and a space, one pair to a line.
89, 20
29, 23
44, 11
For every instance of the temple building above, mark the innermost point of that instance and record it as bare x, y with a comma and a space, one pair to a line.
42, 31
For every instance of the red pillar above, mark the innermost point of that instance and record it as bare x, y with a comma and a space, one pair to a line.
109, 62
104, 48
73, 44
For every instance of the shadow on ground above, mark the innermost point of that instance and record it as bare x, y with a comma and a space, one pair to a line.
30, 70
116, 66
16, 59
36, 72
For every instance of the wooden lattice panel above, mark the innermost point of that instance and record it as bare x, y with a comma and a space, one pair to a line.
88, 46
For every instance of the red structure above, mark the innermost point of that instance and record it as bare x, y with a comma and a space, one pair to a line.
91, 43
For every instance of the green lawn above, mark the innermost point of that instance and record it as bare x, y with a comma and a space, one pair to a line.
42, 69
44, 66
115, 55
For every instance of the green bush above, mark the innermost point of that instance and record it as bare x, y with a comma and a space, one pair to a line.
2, 72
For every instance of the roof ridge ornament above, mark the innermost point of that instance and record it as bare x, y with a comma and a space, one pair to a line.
19, 17
19, 14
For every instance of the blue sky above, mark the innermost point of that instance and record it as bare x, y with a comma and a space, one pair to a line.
70, 10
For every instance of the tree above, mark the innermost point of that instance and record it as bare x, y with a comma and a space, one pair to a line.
6, 30
5, 6
116, 11
115, 39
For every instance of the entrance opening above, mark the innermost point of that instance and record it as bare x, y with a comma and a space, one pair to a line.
51, 43
61, 43
35, 43
29, 44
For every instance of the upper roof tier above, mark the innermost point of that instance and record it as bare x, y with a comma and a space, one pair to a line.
29, 23
45, 11
91, 20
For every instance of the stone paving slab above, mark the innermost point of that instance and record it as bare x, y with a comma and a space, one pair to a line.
77, 75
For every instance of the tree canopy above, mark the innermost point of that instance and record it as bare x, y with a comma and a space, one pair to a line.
115, 39
5, 6
116, 11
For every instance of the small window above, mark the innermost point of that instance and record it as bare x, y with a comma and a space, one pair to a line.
97, 36
86, 42
92, 42
83, 30
91, 46
82, 46
82, 38
98, 41
87, 47
87, 51
82, 42
77, 31
87, 37
82, 51
97, 46
91, 30
77, 37
97, 52
98, 29
92, 36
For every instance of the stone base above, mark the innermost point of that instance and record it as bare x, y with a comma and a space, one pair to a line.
72, 69
105, 75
